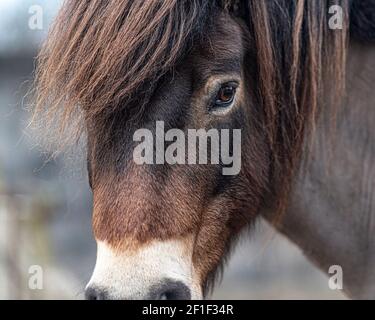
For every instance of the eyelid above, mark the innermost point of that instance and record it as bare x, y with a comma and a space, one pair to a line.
220, 85
231, 83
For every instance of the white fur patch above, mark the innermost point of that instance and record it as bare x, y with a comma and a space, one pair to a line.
131, 275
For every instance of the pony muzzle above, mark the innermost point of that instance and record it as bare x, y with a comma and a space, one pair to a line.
160, 270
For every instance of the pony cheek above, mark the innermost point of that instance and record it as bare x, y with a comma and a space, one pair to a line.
209, 250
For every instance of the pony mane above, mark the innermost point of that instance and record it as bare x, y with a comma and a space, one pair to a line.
301, 65
101, 54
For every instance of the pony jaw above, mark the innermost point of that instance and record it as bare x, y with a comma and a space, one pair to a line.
137, 274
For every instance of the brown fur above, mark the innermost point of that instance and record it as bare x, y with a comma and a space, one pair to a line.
108, 60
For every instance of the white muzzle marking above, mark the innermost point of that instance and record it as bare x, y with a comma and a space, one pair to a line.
130, 275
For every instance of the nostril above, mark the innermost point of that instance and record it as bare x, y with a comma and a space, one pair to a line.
170, 290
93, 293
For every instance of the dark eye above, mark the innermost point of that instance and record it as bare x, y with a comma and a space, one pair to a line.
225, 95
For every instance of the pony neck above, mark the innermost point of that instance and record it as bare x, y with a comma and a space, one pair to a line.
331, 216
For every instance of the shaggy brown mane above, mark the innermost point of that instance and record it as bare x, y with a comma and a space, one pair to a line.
101, 54
301, 68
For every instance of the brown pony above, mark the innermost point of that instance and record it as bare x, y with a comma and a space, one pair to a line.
109, 68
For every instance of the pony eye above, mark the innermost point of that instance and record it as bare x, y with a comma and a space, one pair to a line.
225, 95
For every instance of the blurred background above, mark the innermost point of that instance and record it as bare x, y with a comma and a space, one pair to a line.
45, 213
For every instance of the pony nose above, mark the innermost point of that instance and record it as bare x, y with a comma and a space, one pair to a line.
93, 293
166, 290
170, 290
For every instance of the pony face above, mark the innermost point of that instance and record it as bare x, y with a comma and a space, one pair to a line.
163, 228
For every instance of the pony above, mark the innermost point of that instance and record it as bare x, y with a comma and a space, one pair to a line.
298, 89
